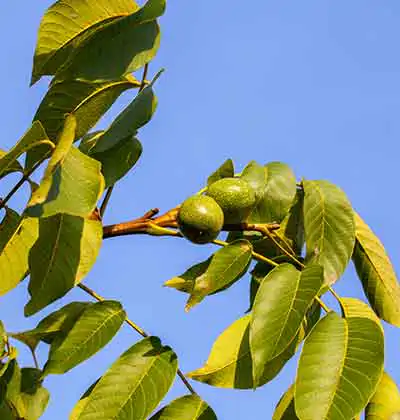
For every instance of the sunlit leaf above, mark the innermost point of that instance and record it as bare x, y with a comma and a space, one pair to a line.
55, 325
72, 182
226, 170
280, 305
53, 275
120, 47
14, 254
285, 408
329, 228
137, 114
189, 407
385, 403
376, 273
349, 352
34, 137
134, 385
74, 18
275, 187
97, 325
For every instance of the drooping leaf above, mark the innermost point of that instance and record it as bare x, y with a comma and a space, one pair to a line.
279, 308
137, 114
74, 19
97, 325
189, 407
14, 255
120, 47
55, 325
34, 137
134, 385
350, 354
87, 101
275, 187
119, 160
376, 273
72, 182
8, 226
226, 170
185, 282
229, 364
385, 403
285, 407
227, 266
329, 228
53, 275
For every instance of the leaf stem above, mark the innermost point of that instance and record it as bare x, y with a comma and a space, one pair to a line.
138, 329
337, 297
322, 304
106, 200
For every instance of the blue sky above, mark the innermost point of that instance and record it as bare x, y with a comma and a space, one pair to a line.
312, 84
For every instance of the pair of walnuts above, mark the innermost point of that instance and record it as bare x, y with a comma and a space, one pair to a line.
227, 201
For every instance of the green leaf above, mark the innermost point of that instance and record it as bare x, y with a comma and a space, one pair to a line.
119, 160
87, 101
52, 274
227, 266
189, 407
275, 187
229, 364
281, 303
14, 255
350, 354
97, 325
137, 114
329, 228
285, 408
8, 226
257, 276
3, 337
81, 404
120, 47
74, 19
5, 412
385, 402
134, 385
376, 273
185, 282
13, 167
34, 137
226, 170
55, 325
72, 182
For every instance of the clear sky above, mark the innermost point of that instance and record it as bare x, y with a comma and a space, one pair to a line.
314, 84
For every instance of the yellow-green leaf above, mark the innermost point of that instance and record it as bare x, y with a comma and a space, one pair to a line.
285, 407
52, 274
376, 273
385, 403
329, 228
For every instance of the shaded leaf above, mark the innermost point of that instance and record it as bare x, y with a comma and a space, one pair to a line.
279, 308
120, 47
55, 325
285, 407
350, 354
226, 170
137, 114
134, 385
227, 266
72, 182
96, 326
329, 228
376, 273
189, 407
8, 226
74, 18
275, 188
119, 160
385, 402
53, 275
87, 101
11, 168
35, 136
14, 255
257, 276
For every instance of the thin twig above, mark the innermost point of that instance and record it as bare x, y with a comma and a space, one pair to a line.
143, 82
138, 329
107, 197
337, 297
19, 184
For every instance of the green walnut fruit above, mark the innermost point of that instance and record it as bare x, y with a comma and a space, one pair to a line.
236, 198
200, 219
